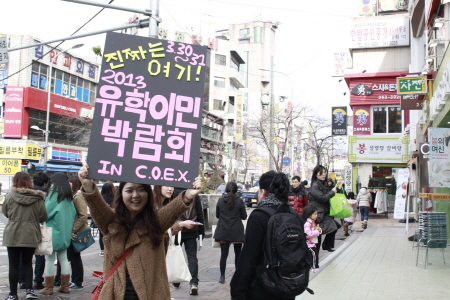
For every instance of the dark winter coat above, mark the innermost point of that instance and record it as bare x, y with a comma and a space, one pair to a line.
298, 199
229, 227
194, 213
244, 284
25, 209
319, 196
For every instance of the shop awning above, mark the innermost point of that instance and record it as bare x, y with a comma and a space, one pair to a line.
57, 167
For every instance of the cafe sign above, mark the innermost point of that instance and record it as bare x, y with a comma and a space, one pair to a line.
412, 85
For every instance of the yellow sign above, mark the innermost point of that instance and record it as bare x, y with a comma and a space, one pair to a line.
423, 195
10, 166
22, 151
439, 196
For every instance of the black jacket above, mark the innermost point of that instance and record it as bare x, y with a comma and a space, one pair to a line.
244, 284
194, 234
230, 227
319, 196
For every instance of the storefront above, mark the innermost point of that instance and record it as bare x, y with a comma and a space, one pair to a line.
379, 146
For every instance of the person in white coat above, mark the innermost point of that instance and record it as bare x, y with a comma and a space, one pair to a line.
364, 199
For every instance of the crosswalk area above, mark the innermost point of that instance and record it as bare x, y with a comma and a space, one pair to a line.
4, 251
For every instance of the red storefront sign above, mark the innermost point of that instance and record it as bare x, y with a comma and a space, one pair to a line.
361, 120
13, 112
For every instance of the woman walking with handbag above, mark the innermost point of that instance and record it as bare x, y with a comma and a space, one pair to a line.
80, 224
319, 196
61, 215
134, 230
25, 209
230, 211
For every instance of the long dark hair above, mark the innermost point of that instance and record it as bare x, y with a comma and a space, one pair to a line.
308, 211
351, 195
146, 219
231, 190
22, 180
108, 189
76, 183
61, 186
159, 200
318, 169
280, 187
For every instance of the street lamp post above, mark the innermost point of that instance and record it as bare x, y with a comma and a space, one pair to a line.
49, 84
271, 110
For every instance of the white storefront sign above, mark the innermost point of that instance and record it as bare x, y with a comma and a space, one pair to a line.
377, 149
379, 32
348, 180
439, 157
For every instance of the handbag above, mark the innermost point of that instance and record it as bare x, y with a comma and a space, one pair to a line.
83, 240
214, 243
339, 206
177, 269
45, 246
99, 286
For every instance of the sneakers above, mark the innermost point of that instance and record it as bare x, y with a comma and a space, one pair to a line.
75, 287
31, 295
222, 279
11, 297
194, 290
102, 253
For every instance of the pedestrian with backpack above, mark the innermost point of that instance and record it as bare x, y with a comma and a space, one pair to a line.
320, 196
275, 260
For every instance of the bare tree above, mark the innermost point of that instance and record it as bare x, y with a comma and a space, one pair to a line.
78, 129
282, 121
318, 138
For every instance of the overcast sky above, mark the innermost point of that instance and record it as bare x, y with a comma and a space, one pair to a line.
309, 33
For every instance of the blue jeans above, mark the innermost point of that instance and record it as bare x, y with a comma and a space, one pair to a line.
364, 211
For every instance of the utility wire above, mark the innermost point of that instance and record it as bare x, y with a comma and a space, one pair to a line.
53, 48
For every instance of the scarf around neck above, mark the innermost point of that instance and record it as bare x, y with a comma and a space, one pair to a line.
269, 200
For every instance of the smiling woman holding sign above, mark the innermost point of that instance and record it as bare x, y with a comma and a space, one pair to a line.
133, 231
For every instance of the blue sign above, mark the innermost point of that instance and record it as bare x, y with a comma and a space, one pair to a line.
286, 161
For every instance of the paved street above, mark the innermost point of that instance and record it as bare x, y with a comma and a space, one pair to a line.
378, 263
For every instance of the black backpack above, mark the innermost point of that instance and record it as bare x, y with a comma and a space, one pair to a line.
287, 259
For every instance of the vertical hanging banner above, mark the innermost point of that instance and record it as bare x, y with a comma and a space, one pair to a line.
339, 123
402, 193
147, 120
13, 112
361, 120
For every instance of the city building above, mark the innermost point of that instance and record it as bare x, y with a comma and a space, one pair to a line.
73, 81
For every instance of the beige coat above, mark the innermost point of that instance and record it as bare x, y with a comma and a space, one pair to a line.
81, 218
145, 265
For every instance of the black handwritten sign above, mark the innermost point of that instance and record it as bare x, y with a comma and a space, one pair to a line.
148, 111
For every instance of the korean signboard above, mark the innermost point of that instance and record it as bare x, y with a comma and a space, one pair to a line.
339, 63
439, 157
361, 120
377, 150
348, 180
148, 111
238, 126
411, 102
374, 90
379, 32
402, 193
13, 112
3, 51
412, 85
339, 120
10, 166
20, 150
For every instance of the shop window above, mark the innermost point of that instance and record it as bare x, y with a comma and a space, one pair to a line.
221, 60
387, 119
219, 82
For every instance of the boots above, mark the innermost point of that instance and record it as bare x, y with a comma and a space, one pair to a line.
48, 286
364, 224
65, 281
346, 229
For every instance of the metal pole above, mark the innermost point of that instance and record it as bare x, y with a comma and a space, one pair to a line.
154, 20
271, 112
139, 11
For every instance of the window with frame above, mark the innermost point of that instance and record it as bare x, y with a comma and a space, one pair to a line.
387, 119
221, 60
244, 31
219, 82
218, 104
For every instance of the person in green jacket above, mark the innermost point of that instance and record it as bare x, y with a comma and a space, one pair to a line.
61, 215
25, 209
